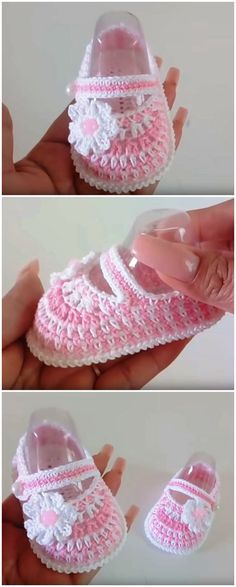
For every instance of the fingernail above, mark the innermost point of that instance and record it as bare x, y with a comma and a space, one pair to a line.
133, 511
107, 449
119, 465
171, 259
183, 114
32, 267
131, 515
174, 74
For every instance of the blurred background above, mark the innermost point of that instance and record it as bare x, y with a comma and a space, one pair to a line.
44, 43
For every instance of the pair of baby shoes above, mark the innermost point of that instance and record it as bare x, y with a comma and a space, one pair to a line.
110, 305
72, 520
120, 129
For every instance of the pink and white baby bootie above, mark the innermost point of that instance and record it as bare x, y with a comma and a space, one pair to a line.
72, 520
181, 520
109, 305
121, 133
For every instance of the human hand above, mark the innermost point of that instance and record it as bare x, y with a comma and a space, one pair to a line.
48, 168
204, 272
20, 565
21, 370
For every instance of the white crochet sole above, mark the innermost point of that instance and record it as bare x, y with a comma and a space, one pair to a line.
54, 359
68, 568
171, 550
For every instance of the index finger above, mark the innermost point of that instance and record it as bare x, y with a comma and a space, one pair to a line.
12, 511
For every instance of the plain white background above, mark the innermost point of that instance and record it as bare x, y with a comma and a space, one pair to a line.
43, 45
157, 433
56, 230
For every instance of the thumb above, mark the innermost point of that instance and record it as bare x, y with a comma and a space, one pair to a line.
206, 276
7, 141
19, 305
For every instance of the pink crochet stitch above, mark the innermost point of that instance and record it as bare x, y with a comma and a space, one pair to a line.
98, 309
71, 518
180, 521
121, 132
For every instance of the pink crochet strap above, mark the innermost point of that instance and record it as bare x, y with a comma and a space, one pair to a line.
118, 276
192, 491
53, 479
114, 87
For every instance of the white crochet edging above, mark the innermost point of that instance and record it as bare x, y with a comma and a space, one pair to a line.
84, 68
56, 359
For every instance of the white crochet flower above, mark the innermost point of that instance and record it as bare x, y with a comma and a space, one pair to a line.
50, 518
197, 515
71, 293
92, 127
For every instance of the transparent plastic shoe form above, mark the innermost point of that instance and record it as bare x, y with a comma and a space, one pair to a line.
108, 305
73, 522
120, 132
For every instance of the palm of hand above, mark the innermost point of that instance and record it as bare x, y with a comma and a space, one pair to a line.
24, 371
48, 168
25, 568
29, 373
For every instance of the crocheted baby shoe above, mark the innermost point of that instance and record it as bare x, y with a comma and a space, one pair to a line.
180, 521
98, 309
71, 518
121, 132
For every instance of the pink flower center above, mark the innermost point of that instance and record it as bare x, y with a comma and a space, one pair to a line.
48, 518
199, 514
90, 125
